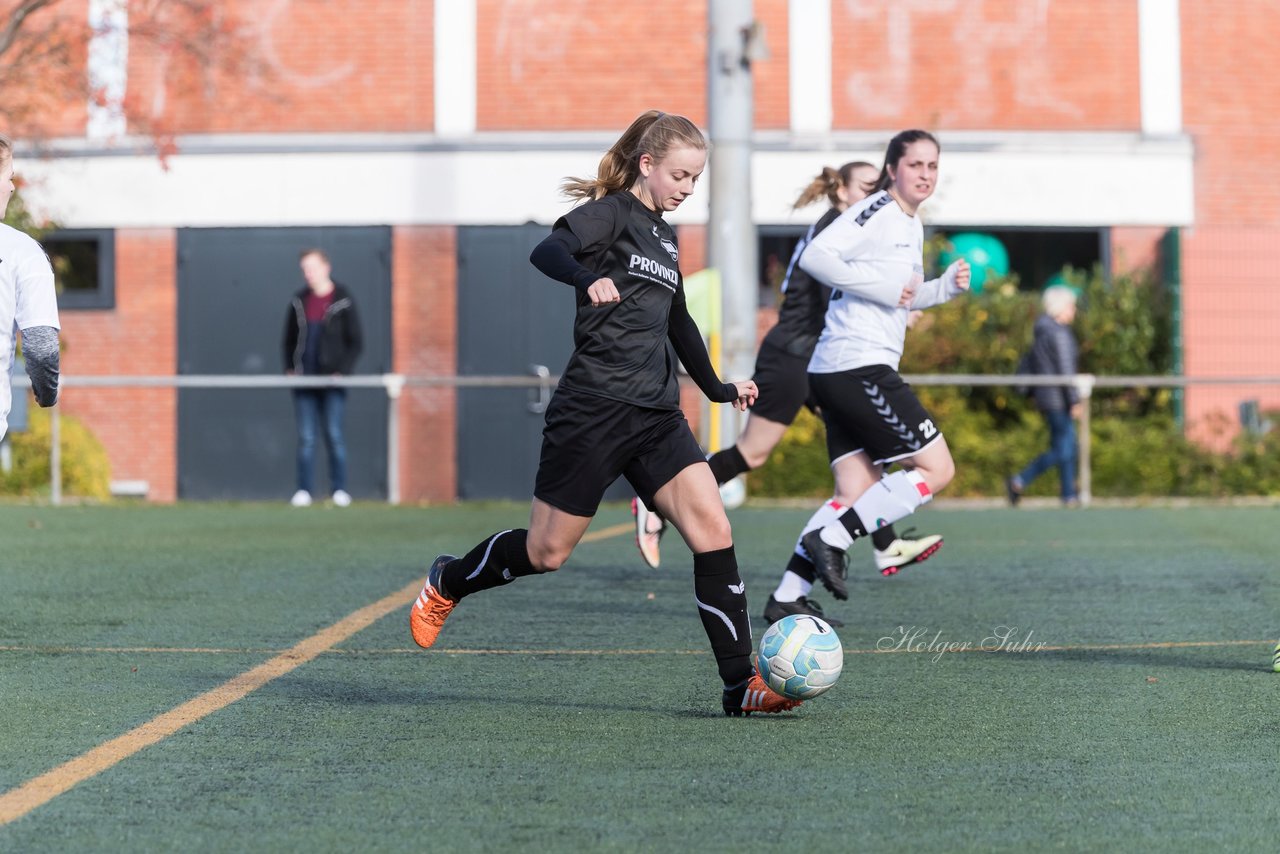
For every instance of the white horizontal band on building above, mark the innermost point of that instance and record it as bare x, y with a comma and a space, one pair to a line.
992, 179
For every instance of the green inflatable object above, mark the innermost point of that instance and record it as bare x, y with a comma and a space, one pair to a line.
985, 253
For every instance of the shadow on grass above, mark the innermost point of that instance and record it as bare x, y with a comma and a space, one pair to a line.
348, 693
1149, 658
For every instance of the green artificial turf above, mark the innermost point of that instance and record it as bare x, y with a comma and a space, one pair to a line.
581, 712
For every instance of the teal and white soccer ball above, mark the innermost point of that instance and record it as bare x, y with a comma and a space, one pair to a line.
800, 657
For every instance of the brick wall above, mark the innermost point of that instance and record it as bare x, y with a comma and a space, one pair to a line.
591, 66
337, 65
997, 64
1231, 84
138, 427
1230, 89
1230, 318
424, 336
46, 96
1135, 249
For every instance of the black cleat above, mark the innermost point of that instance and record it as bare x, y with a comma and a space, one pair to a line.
775, 610
830, 563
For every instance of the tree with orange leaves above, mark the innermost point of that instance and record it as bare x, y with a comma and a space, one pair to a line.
62, 61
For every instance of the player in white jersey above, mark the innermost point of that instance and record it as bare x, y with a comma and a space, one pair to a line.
28, 301
873, 257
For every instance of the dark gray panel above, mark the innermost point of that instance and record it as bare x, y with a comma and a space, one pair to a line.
234, 287
510, 317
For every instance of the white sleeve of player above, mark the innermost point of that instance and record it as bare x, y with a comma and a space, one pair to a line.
37, 303
833, 258
939, 290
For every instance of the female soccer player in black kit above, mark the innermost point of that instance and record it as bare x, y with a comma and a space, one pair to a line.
617, 407
782, 376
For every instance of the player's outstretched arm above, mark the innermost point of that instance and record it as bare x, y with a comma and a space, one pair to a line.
687, 341
953, 282
40, 352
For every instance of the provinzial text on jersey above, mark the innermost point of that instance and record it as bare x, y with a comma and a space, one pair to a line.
649, 268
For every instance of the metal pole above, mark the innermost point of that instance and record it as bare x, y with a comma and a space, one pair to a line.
55, 457
1084, 383
395, 386
733, 39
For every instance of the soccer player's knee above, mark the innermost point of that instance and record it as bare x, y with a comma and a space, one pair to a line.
755, 458
548, 559
719, 529
940, 475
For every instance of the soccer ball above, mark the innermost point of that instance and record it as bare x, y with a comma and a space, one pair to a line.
800, 657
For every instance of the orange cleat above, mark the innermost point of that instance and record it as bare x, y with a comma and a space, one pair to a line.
758, 697
429, 612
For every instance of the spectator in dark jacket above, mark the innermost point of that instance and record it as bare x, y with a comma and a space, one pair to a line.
1054, 352
321, 338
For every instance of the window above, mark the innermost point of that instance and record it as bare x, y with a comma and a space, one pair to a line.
84, 266
774, 245
1036, 255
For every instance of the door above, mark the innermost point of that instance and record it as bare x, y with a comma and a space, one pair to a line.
234, 287
512, 320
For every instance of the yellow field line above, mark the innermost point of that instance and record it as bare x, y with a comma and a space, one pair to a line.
188, 650
916, 649
606, 533
38, 791
21, 800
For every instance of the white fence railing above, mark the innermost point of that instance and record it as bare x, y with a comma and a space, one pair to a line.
394, 385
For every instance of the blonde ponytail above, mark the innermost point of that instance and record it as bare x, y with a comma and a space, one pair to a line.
654, 133
828, 184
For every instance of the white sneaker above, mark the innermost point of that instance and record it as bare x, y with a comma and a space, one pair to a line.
905, 551
341, 498
649, 529
301, 498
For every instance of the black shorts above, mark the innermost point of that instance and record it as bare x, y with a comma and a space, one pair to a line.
588, 441
872, 410
783, 380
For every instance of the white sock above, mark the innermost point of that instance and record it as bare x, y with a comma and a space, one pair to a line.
791, 587
823, 516
895, 496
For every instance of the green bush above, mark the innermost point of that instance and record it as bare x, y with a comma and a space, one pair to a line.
86, 471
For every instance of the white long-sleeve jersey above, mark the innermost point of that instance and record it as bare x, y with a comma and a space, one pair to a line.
870, 255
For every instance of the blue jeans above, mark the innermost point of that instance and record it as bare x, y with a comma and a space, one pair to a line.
1061, 453
321, 407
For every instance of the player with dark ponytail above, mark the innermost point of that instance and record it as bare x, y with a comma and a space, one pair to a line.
872, 258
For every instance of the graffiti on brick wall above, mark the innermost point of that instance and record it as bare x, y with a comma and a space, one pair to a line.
884, 84
269, 33
533, 29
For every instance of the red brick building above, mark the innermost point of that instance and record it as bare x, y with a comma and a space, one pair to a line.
1121, 117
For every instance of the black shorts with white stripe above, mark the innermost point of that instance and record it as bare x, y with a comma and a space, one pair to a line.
872, 410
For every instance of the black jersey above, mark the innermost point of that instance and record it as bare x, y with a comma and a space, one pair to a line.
621, 351
804, 305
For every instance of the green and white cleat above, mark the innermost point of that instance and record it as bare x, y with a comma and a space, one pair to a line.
906, 551
1275, 659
